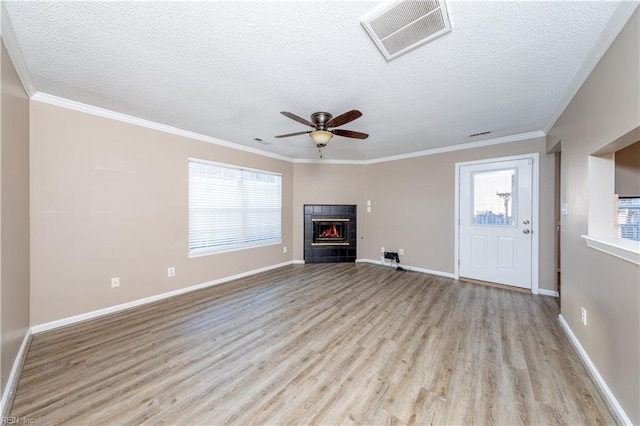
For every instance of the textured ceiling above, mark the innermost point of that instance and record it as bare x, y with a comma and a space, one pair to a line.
226, 69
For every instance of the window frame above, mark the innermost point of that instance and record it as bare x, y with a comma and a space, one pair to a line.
602, 233
207, 251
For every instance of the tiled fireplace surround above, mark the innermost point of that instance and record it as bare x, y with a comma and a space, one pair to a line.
328, 252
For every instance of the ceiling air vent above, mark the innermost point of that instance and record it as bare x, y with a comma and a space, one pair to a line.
486, 132
400, 26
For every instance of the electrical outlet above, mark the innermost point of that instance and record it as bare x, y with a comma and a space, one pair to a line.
381, 249
115, 282
400, 252
284, 249
584, 316
171, 272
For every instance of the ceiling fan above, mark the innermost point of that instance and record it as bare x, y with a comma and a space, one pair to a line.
324, 126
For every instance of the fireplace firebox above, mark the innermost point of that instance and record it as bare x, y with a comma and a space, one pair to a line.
330, 231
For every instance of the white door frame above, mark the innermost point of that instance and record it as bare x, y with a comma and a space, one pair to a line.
535, 210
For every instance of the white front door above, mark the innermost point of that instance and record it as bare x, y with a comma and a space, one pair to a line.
495, 220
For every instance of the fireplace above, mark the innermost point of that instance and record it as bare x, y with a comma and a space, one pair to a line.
329, 233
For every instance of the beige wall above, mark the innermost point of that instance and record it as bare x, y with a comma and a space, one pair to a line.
328, 184
628, 171
109, 199
413, 204
606, 107
14, 212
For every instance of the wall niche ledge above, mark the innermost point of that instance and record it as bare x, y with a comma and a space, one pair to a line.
628, 250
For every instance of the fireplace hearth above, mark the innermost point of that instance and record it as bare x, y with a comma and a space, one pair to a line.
329, 233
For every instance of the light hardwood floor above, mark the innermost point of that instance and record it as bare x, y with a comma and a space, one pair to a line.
316, 344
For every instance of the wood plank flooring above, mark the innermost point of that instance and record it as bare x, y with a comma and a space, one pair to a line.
316, 344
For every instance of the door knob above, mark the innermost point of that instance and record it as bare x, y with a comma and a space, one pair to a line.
526, 231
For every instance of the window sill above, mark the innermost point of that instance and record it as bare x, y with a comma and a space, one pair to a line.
624, 249
209, 252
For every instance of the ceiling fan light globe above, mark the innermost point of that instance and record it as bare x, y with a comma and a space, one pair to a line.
321, 137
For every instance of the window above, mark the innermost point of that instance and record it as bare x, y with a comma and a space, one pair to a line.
232, 208
627, 188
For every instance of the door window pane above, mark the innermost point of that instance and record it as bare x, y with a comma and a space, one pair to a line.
494, 197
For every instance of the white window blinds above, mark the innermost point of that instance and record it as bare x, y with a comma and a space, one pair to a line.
629, 218
232, 208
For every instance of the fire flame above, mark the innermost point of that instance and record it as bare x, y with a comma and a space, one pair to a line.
330, 233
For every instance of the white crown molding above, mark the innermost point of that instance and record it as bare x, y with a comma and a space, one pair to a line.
619, 19
102, 112
316, 161
470, 145
9, 38
602, 386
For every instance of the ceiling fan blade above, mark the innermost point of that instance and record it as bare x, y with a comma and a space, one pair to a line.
350, 134
292, 134
298, 119
344, 118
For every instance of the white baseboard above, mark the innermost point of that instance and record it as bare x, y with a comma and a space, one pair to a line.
610, 399
551, 293
408, 268
117, 308
9, 390
298, 262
